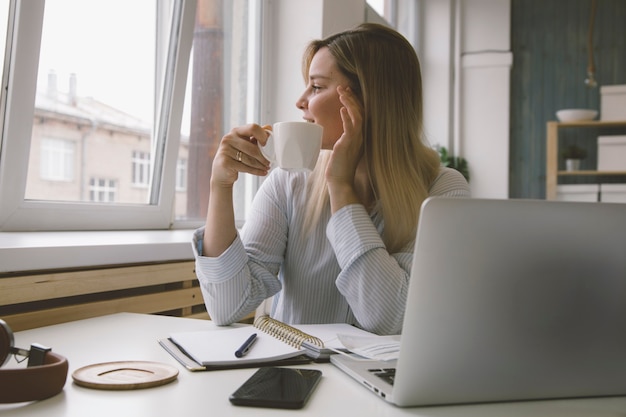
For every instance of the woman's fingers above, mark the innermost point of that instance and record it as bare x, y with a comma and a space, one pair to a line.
238, 152
352, 116
348, 150
352, 138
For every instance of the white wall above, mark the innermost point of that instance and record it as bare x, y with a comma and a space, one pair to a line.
295, 23
484, 122
484, 94
466, 60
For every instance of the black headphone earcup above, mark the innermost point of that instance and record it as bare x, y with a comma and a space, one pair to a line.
6, 342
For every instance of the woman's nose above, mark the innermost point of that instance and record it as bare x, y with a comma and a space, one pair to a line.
301, 103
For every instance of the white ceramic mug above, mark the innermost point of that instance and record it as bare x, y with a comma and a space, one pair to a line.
294, 146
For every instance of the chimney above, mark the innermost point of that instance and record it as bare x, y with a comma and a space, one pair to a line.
72, 97
52, 84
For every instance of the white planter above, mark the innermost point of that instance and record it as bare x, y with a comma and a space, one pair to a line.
572, 164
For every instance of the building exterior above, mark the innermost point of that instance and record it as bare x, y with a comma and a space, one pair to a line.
84, 150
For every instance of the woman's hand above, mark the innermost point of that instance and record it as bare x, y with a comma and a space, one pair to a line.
238, 151
347, 152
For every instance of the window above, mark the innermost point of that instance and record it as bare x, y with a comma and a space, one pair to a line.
378, 6
141, 169
126, 118
181, 175
57, 160
101, 100
222, 85
102, 190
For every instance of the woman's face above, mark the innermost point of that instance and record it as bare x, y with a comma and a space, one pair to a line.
320, 101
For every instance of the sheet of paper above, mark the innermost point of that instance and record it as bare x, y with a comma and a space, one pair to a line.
328, 332
383, 348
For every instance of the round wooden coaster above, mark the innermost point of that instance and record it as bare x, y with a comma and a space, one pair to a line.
126, 375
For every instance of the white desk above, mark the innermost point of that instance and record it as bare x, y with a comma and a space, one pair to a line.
134, 337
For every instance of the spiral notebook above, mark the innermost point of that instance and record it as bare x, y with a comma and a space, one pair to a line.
277, 343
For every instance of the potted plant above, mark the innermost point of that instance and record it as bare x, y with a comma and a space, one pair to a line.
573, 155
455, 162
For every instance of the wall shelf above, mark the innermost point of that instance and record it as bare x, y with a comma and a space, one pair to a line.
586, 173
552, 153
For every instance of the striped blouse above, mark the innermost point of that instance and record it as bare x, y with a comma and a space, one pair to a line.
339, 272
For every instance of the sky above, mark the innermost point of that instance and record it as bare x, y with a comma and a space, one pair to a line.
108, 44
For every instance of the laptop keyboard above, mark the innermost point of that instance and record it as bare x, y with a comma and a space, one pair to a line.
387, 374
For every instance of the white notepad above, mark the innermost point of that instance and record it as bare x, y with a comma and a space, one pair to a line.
216, 346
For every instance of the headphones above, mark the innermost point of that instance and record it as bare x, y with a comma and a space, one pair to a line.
43, 377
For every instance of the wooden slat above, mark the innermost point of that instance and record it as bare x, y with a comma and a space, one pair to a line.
26, 288
205, 316
151, 303
187, 310
201, 316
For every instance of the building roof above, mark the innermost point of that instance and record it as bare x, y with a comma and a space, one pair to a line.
70, 107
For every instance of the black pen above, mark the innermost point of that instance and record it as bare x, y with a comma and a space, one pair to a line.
245, 348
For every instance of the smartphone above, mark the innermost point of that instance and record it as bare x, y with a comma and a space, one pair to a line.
277, 387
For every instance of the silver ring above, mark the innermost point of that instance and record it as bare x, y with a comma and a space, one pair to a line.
238, 156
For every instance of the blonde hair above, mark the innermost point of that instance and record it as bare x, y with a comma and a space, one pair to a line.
384, 73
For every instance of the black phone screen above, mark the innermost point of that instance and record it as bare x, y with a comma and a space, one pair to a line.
277, 388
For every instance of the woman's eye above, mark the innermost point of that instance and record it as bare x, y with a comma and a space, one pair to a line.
315, 88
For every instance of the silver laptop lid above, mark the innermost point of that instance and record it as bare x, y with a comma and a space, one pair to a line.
515, 299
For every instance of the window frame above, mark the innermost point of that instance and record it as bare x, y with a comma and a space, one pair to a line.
20, 83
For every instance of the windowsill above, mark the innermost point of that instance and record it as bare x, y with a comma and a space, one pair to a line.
33, 251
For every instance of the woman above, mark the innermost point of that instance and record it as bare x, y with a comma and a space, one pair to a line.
334, 245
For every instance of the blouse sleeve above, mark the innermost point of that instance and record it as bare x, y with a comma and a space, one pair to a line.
232, 285
373, 281
235, 283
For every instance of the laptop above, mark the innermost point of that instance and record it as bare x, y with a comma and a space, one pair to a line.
509, 300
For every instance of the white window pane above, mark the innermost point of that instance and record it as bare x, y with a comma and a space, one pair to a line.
95, 93
378, 6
